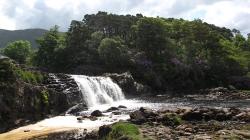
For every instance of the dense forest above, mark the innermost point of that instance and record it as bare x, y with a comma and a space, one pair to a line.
165, 53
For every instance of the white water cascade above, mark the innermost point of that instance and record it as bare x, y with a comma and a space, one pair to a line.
98, 90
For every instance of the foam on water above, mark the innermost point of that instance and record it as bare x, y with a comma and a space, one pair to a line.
98, 90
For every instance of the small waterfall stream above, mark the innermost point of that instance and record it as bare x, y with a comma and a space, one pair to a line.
98, 90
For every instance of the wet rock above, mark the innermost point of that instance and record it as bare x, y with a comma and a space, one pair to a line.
192, 115
234, 111
65, 85
104, 131
91, 136
137, 117
77, 108
97, 113
148, 112
79, 118
219, 89
93, 118
112, 109
190, 130
122, 106
116, 113
240, 82
128, 84
244, 116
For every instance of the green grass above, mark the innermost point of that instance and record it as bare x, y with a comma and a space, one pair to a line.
123, 130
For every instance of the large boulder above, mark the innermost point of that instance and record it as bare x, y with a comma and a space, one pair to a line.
137, 117
143, 115
112, 109
97, 113
128, 84
193, 115
77, 108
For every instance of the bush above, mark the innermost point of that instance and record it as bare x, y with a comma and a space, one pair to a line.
123, 130
29, 77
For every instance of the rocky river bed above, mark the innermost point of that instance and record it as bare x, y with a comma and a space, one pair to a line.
195, 116
176, 123
217, 113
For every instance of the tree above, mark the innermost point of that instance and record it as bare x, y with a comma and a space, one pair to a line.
20, 51
112, 52
152, 37
49, 46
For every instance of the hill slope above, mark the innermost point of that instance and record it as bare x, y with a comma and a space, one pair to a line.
31, 35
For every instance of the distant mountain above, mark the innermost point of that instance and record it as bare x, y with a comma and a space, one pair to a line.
31, 35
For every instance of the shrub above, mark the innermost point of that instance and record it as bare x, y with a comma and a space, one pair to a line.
29, 77
123, 130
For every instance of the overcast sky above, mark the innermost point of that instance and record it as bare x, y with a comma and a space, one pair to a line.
22, 14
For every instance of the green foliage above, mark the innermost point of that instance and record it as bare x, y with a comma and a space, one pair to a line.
121, 130
163, 53
152, 37
9, 72
45, 97
112, 52
49, 49
18, 50
29, 77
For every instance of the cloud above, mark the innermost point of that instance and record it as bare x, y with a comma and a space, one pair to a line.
20, 14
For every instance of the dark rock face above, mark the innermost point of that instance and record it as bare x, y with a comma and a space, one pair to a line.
97, 113
22, 103
65, 85
128, 84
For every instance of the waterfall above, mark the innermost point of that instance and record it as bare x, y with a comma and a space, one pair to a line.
98, 90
